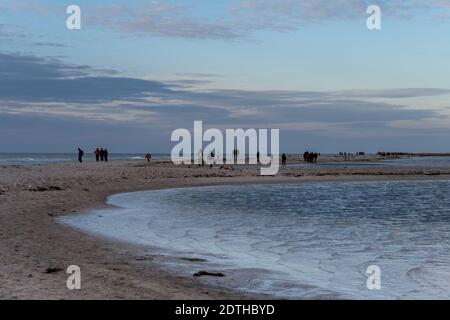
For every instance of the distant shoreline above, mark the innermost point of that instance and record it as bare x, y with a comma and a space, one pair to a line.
30, 159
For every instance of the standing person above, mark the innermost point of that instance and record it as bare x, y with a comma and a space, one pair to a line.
97, 154
283, 159
257, 157
105, 155
80, 155
102, 154
148, 156
235, 154
305, 156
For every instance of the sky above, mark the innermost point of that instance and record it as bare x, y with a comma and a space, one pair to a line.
137, 70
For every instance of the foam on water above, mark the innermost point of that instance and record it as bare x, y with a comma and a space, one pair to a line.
314, 239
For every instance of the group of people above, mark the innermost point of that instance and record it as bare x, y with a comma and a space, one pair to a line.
391, 154
345, 154
310, 157
101, 154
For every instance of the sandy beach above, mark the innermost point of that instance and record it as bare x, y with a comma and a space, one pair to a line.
35, 250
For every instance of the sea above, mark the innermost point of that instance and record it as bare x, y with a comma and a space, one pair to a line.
46, 158
318, 240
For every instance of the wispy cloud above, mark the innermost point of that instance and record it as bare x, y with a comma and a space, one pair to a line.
288, 14
241, 18
49, 44
160, 18
29, 84
10, 32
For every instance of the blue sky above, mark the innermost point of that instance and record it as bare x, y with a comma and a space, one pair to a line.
139, 69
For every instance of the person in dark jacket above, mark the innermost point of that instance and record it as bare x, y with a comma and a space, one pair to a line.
80, 155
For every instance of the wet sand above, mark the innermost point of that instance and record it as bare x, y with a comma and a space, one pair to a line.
32, 243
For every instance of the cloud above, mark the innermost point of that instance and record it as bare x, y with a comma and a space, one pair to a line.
393, 93
57, 92
238, 20
197, 75
159, 18
29, 78
284, 15
9, 32
49, 44
422, 124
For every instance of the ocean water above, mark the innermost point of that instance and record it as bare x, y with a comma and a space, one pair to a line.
430, 161
44, 158
297, 240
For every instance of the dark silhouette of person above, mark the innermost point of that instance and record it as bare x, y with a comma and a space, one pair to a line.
212, 156
316, 155
80, 155
105, 155
97, 154
305, 156
257, 157
102, 154
283, 159
148, 156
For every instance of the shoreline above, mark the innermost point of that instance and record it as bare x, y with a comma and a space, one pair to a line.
32, 241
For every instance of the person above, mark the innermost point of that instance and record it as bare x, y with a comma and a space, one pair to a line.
80, 155
97, 154
316, 155
257, 157
105, 155
102, 154
235, 154
305, 156
283, 159
211, 159
148, 156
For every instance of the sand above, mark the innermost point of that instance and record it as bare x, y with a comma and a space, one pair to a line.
32, 242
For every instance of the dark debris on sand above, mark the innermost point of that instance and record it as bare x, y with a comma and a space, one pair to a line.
49, 188
53, 270
207, 273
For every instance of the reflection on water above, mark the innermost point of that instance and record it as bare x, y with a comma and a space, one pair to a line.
315, 239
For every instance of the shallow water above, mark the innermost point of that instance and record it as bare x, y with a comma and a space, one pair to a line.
46, 158
432, 162
316, 240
